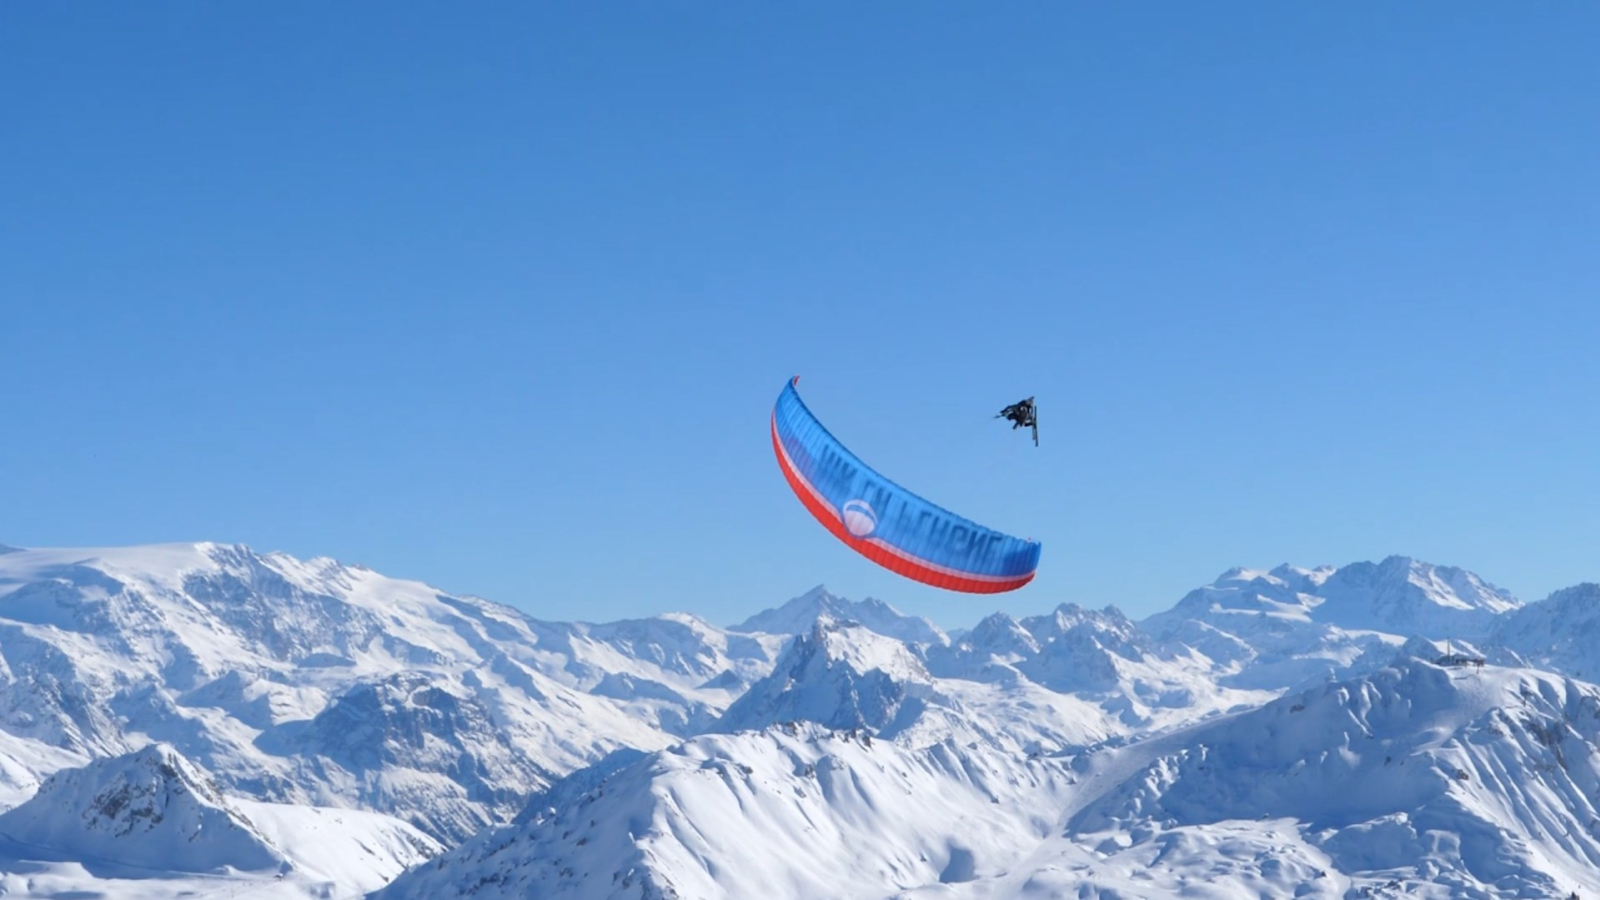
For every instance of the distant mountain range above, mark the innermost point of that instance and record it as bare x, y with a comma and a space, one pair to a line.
226, 718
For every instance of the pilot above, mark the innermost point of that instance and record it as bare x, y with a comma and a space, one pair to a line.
1020, 414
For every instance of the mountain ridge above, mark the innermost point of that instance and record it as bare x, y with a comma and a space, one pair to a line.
327, 685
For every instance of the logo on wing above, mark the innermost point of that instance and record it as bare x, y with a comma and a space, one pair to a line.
859, 517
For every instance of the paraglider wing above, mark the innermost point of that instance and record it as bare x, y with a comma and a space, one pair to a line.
885, 522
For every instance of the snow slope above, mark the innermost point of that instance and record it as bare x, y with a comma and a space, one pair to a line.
1290, 627
1399, 595
151, 808
26, 763
1416, 781
339, 850
1406, 596
792, 811
1100, 657
250, 722
799, 615
843, 676
153, 818
840, 676
1560, 632
312, 682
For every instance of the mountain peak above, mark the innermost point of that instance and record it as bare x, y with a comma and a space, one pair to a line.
309, 680
793, 811
1239, 573
1405, 595
799, 615
840, 675
1070, 617
863, 649
1560, 632
1374, 771
1300, 579
151, 807
1000, 634
1398, 595
1284, 575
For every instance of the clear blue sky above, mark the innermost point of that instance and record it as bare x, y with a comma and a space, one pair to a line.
499, 297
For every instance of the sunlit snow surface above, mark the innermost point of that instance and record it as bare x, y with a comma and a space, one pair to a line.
202, 720
1416, 781
312, 682
150, 820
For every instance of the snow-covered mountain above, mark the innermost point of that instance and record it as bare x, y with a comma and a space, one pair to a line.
846, 677
1415, 781
317, 683
283, 710
1099, 657
151, 807
788, 811
152, 815
1399, 596
1406, 596
842, 677
1291, 626
799, 615
1560, 633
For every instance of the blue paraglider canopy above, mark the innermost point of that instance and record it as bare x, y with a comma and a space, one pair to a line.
887, 523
